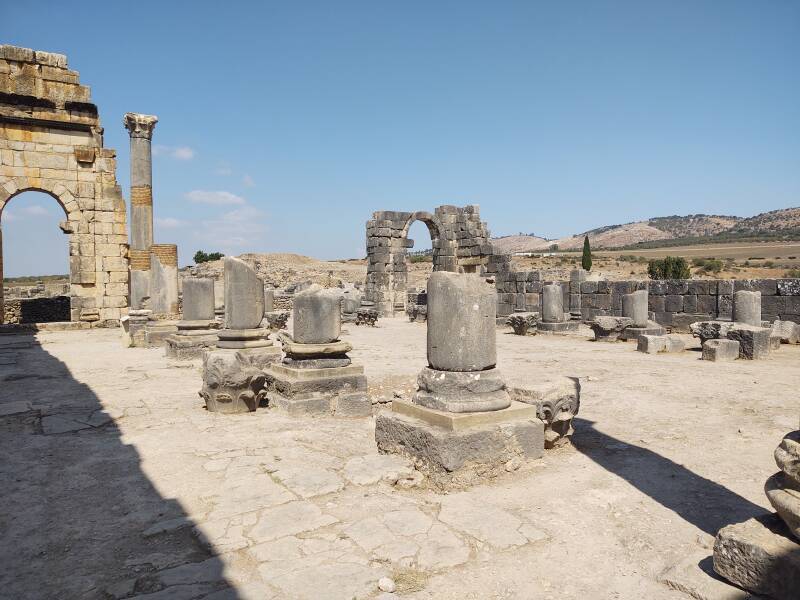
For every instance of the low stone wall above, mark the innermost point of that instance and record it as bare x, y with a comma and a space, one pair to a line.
36, 310
674, 302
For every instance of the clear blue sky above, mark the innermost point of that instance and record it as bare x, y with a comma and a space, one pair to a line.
284, 125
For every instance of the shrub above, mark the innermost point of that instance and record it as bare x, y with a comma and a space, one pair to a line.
421, 258
769, 264
712, 265
792, 274
201, 257
670, 267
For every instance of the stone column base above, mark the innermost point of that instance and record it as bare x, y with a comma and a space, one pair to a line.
761, 556
563, 327
189, 347
157, 332
309, 392
632, 333
446, 443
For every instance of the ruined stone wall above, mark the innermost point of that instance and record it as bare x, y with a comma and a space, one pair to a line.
36, 310
51, 141
460, 241
676, 303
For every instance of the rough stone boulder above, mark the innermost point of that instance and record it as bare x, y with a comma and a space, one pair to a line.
787, 331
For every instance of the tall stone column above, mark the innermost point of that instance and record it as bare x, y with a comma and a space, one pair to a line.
140, 128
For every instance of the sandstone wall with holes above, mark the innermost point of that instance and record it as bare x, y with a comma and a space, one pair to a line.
51, 141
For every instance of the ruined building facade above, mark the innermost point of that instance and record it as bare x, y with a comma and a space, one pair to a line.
51, 141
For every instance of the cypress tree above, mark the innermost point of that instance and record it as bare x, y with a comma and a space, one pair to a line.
586, 259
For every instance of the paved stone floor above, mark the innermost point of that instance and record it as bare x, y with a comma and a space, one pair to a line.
116, 483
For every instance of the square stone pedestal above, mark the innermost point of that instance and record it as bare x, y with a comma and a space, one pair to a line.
562, 327
632, 333
304, 392
761, 556
189, 347
157, 332
449, 442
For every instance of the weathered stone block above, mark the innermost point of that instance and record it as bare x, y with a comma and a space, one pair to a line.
485, 446
760, 556
718, 350
651, 344
753, 341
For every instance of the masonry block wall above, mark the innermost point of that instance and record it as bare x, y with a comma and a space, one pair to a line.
460, 242
676, 303
51, 141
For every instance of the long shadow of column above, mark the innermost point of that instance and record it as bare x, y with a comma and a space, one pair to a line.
703, 503
74, 502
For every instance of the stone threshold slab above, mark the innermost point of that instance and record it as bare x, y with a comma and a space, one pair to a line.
518, 411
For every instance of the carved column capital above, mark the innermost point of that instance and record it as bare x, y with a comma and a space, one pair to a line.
140, 126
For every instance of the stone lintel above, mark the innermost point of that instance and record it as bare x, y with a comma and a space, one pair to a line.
518, 411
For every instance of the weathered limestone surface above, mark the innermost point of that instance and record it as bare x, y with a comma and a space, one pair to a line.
557, 403
720, 350
317, 316
244, 295
522, 322
231, 383
747, 308
654, 344
316, 377
198, 299
710, 330
608, 329
760, 556
51, 140
787, 331
753, 341
164, 279
461, 323
783, 488
461, 417
635, 306
552, 303
459, 238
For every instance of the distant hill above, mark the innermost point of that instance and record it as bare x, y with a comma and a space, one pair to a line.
667, 231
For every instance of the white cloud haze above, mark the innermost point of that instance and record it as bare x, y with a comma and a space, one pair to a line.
176, 152
219, 197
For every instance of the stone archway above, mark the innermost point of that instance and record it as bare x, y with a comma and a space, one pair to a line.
460, 241
51, 141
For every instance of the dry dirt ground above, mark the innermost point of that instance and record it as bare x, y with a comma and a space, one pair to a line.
115, 482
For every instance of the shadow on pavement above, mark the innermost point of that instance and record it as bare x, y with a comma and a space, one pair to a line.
75, 501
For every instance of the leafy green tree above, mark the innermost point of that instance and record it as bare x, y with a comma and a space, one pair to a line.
670, 267
586, 259
201, 257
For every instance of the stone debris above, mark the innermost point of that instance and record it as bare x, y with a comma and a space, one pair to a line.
366, 316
